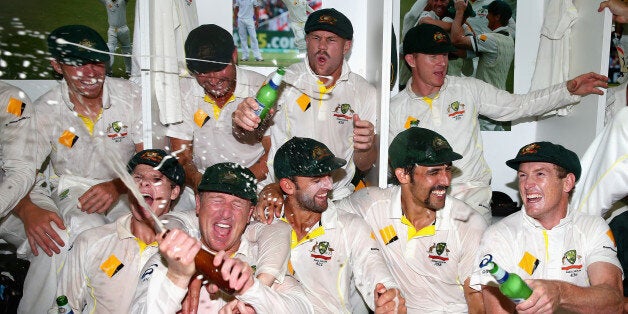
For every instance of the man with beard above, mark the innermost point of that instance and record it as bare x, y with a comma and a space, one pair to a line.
429, 238
80, 121
568, 259
103, 266
222, 224
206, 131
322, 99
329, 246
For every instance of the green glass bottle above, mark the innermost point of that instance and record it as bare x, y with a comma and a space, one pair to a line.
63, 306
267, 94
510, 284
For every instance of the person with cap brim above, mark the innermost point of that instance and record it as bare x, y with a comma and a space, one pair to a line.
79, 122
247, 21
102, 269
221, 224
495, 49
209, 97
568, 259
429, 239
328, 245
451, 106
322, 99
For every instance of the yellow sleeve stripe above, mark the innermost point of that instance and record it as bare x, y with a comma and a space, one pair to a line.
610, 235
528, 263
68, 139
389, 234
15, 107
304, 102
200, 118
111, 266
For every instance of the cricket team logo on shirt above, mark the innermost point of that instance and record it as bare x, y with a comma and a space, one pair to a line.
321, 252
572, 263
117, 131
438, 253
343, 113
456, 110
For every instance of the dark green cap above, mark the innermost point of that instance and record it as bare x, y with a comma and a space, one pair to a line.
329, 20
208, 42
63, 41
419, 146
163, 162
428, 39
547, 152
305, 157
230, 178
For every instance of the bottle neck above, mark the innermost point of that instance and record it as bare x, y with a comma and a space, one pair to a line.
499, 274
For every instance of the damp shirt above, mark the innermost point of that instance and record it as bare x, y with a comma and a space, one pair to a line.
519, 244
17, 166
65, 137
338, 247
430, 264
306, 108
210, 127
102, 268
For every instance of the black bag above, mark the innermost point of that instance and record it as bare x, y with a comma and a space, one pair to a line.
12, 274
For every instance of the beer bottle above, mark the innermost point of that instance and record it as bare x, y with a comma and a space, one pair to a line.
510, 284
267, 94
204, 262
63, 306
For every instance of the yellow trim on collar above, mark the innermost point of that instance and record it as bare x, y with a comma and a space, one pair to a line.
313, 234
217, 110
413, 233
143, 245
89, 123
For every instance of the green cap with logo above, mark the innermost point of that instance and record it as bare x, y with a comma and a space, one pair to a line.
427, 39
167, 164
419, 146
208, 48
547, 152
305, 157
77, 45
330, 20
230, 178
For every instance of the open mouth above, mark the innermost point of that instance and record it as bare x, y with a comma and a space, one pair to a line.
148, 199
533, 198
222, 230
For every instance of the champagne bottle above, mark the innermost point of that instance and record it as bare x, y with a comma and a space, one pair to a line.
204, 262
63, 306
267, 94
510, 284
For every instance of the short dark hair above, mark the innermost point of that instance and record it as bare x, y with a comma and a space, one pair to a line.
501, 8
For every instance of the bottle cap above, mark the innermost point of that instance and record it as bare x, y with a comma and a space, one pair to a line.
488, 258
62, 300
